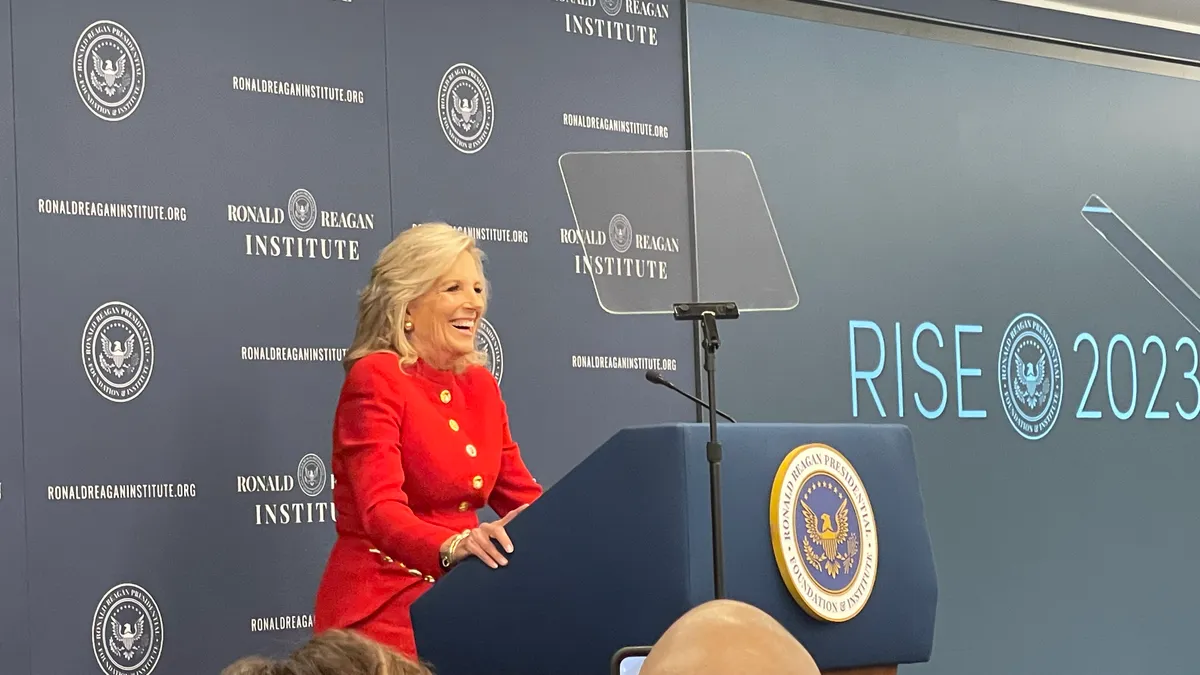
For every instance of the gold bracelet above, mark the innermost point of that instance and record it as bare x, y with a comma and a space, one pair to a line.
453, 545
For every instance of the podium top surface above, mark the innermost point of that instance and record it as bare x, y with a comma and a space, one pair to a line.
824, 529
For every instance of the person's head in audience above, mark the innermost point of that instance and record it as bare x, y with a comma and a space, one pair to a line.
333, 652
725, 637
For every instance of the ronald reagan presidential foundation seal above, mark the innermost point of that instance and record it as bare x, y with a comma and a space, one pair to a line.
109, 73
466, 110
118, 351
1030, 373
127, 631
823, 533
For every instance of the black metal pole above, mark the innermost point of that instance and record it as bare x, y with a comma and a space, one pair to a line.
711, 343
707, 314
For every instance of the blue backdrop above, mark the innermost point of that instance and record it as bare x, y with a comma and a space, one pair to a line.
200, 197
14, 615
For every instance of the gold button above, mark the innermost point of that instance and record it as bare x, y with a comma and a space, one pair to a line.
429, 578
477, 482
471, 451
464, 506
445, 396
454, 425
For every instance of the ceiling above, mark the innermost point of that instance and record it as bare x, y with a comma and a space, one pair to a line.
1174, 14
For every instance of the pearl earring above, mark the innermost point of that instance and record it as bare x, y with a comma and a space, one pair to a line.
408, 326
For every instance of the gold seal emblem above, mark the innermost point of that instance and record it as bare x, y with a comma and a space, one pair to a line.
823, 533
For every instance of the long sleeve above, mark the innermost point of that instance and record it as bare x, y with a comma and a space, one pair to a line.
367, 436
515, 485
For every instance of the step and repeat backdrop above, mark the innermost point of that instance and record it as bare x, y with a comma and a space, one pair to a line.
191, 195
14, 609
986, 245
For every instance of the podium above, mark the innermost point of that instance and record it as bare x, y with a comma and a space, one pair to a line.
620, 548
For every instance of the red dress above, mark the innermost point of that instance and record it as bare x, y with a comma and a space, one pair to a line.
415, 454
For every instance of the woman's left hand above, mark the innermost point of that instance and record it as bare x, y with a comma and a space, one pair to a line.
479, 542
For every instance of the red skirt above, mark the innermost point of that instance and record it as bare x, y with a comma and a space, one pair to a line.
391, 624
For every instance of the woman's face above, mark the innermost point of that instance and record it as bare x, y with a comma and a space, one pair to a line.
445, 318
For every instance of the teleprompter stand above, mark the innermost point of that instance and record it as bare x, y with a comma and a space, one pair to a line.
710, 210
707, 314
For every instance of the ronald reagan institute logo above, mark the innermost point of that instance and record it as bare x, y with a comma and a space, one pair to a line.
465, 108
1030, 374
118, 352
109, 73
488, 342
127, 631
311, 475
274, 499
823, 533
620, 233
302, 210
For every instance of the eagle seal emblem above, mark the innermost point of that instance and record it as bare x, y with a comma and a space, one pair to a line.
118, 352
311, 475
109, 73
620, 233
127, 631
302, 210
823, 533
1031, 376
465, 108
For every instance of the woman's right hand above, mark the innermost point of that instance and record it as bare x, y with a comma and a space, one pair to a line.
479, 542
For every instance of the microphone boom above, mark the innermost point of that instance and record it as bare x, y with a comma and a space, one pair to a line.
657, 378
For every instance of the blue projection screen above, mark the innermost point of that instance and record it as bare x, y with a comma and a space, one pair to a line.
999, 250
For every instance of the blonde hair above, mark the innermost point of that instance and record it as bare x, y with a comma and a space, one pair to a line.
406, 269
333, 652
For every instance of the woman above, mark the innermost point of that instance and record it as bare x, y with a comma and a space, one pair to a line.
334, 652
420, 440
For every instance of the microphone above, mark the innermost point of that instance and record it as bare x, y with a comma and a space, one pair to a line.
657, 378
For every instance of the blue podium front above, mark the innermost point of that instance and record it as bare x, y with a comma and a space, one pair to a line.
824, 529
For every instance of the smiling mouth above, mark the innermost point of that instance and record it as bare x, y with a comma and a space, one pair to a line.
465, 326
